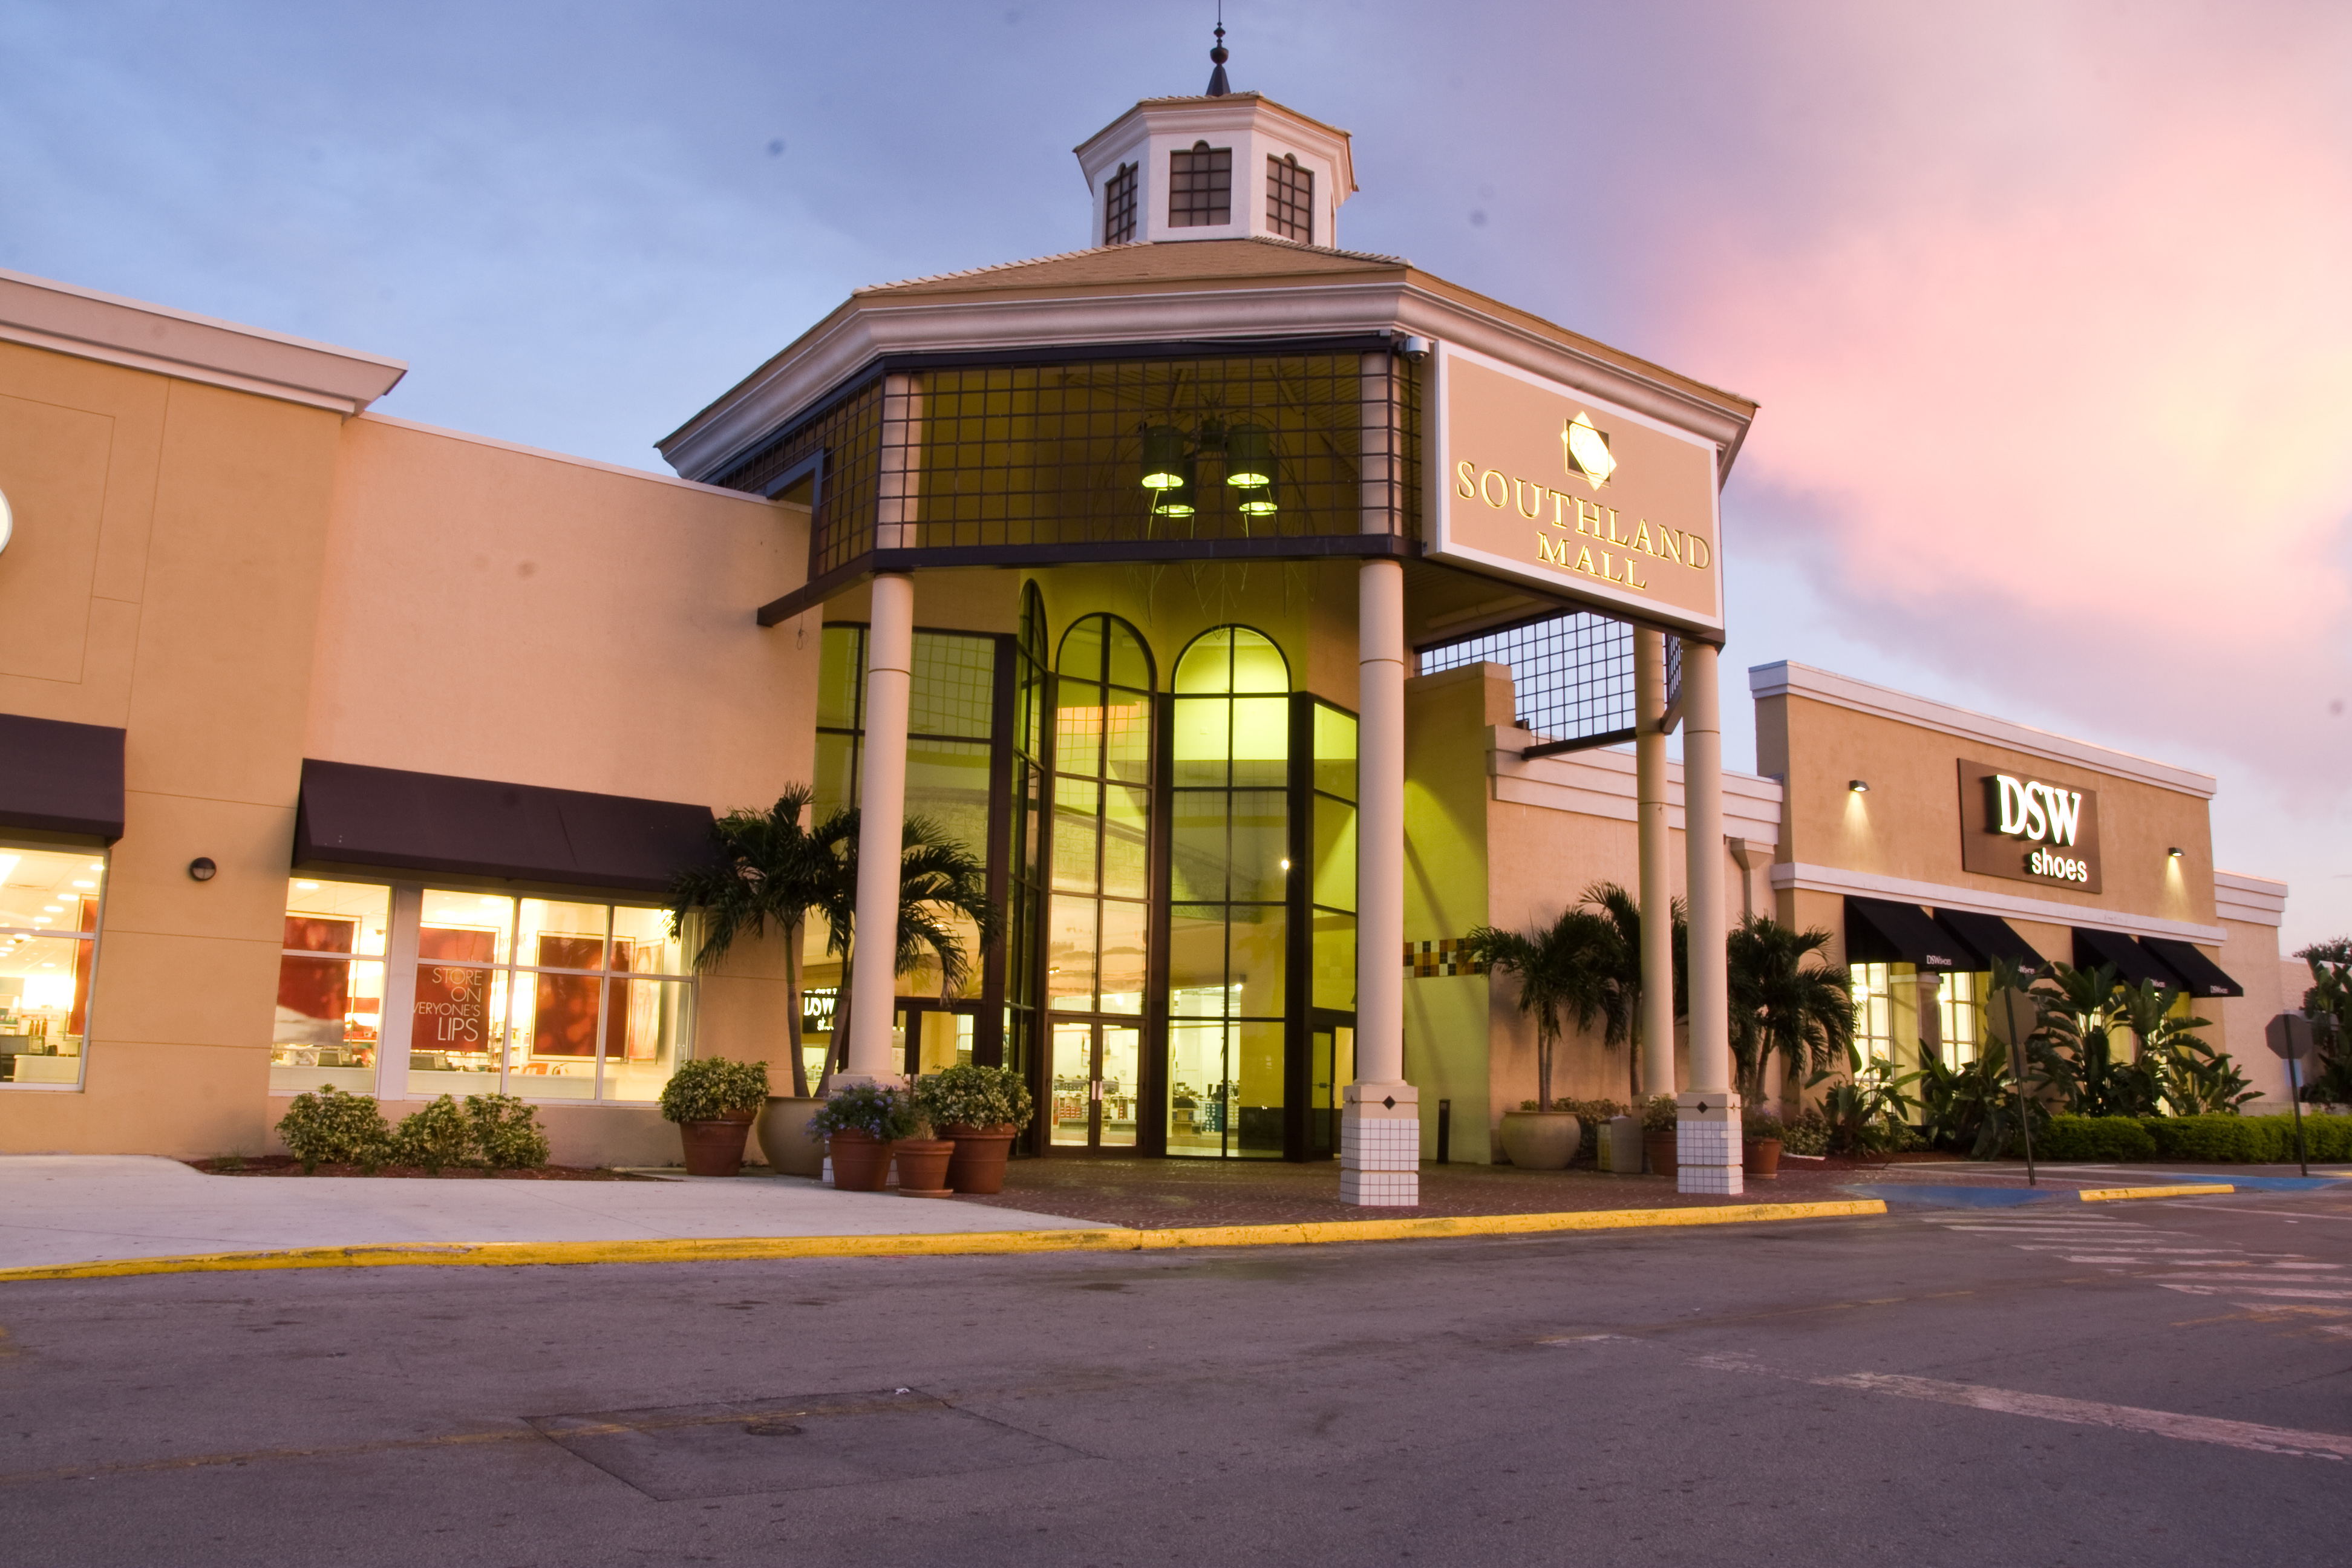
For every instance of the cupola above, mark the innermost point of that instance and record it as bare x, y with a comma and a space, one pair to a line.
1225, 165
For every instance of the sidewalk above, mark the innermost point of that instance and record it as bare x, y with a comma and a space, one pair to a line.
84, 1208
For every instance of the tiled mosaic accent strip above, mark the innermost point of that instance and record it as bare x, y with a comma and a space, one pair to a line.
1430, 960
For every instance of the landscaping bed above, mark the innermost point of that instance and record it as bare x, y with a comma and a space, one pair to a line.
286, 1165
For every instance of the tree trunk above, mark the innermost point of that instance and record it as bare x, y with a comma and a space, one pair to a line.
840, 1042
792, 1006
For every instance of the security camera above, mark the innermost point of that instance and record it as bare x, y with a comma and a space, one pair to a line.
1414, 348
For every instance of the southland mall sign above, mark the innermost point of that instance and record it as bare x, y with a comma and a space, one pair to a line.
1551, 488
2015, 824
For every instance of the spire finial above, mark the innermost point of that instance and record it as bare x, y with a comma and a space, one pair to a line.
1218, 87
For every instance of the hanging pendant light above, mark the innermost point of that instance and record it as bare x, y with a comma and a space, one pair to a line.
1176, 499
1163, 458
1249, 457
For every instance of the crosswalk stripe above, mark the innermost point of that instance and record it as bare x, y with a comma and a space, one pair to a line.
2234, 1291
2089, 1412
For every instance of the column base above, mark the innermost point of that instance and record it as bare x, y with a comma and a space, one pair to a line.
1380, 1145
1708, 1158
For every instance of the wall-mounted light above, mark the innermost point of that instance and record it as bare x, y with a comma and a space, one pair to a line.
2174, 852
202, 868
1859, 786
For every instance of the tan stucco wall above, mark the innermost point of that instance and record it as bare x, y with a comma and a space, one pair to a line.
240, 582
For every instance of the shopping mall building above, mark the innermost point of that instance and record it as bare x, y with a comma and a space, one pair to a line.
1267, 614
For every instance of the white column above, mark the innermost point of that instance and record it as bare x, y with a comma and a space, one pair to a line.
1707, 1142
882, 815
1379, 1117
1656, 844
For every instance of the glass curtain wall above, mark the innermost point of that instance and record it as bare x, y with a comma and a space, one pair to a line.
48, 951
1328, 793
1100, 926
1229, 870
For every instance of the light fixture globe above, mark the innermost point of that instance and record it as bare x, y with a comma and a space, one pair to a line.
1176, 499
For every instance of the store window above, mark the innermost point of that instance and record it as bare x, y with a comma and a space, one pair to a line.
1959, 1000
330, 987
49, 956
1102, 811
1883, 1011
545, 998
1229, 874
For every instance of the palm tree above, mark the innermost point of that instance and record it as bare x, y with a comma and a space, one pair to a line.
1566, 967
939, 879
772, 869
1782, 1004
1622, 1005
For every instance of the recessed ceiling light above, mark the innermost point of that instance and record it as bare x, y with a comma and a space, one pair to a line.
85, 884
40, 920
60, 908
307, 887
98, 865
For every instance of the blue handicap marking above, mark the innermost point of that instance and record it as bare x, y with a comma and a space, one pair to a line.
2261, 1183
1921, 1195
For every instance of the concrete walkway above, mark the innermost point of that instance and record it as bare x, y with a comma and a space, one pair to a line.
87, 1208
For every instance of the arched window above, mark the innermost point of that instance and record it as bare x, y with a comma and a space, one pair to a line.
1098, 926
1229, 874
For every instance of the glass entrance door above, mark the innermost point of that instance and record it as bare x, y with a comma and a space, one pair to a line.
1330, 1067
1094, 1089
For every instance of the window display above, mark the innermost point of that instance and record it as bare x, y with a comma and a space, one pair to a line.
48, 948
330, 987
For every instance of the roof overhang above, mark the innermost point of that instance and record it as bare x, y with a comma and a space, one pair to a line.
1397, 300
42, 313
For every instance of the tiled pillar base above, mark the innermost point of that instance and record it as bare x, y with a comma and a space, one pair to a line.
1707, 1152
1380, 1146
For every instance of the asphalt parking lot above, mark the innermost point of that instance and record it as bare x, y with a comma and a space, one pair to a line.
2140, 1383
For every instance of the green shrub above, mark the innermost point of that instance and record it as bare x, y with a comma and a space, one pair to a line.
2101, 1138
435, 1136
865, 1107
710, 1087
506, 1134
970, 1095
1758, 1126
1660, 1113
1807, 1132
329, 1127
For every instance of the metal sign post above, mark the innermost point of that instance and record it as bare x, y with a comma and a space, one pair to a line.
2289, 1036
2014, 1017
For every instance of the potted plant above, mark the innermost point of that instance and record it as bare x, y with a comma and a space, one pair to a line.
922, 1156
1760, 1146
1659, 1119
983, 1110
1562, 968
713, 1100
860, 1122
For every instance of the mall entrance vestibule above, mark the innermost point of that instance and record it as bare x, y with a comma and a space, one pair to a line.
1177, 858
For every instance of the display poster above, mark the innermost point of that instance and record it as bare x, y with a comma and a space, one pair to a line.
453, 989
2017, 824
1537, 482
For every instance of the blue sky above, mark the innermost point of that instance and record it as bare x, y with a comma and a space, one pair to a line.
2044, 303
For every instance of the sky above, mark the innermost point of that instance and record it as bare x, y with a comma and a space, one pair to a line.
2048, 306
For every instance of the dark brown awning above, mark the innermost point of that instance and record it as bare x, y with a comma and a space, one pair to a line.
57, 777
1990, 937
1878, 932
2134, 963
355, 816
2203, 975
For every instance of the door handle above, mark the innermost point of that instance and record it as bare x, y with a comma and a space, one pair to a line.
1095, 1089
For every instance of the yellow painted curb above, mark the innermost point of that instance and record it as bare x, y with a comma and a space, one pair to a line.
733, 1250
2108, 1195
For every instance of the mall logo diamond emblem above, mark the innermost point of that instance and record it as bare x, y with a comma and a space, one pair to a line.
1585, 450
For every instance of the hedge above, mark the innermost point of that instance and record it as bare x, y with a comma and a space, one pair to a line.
2225, 1139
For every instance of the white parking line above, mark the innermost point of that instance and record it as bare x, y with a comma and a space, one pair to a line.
2244, 1435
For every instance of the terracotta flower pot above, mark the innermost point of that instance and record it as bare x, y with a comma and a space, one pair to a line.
981, 1153
1761, 1158
1542, 1140
860, 1161
1659, 1147
923, 1166
785, 1138
716, 1148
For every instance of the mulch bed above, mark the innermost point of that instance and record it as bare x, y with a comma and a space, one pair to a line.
286, 1165
1162, 1195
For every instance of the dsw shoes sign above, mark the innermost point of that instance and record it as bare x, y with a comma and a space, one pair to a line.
2031, 829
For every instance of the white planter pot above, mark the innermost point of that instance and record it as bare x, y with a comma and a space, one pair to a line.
1540, 1140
